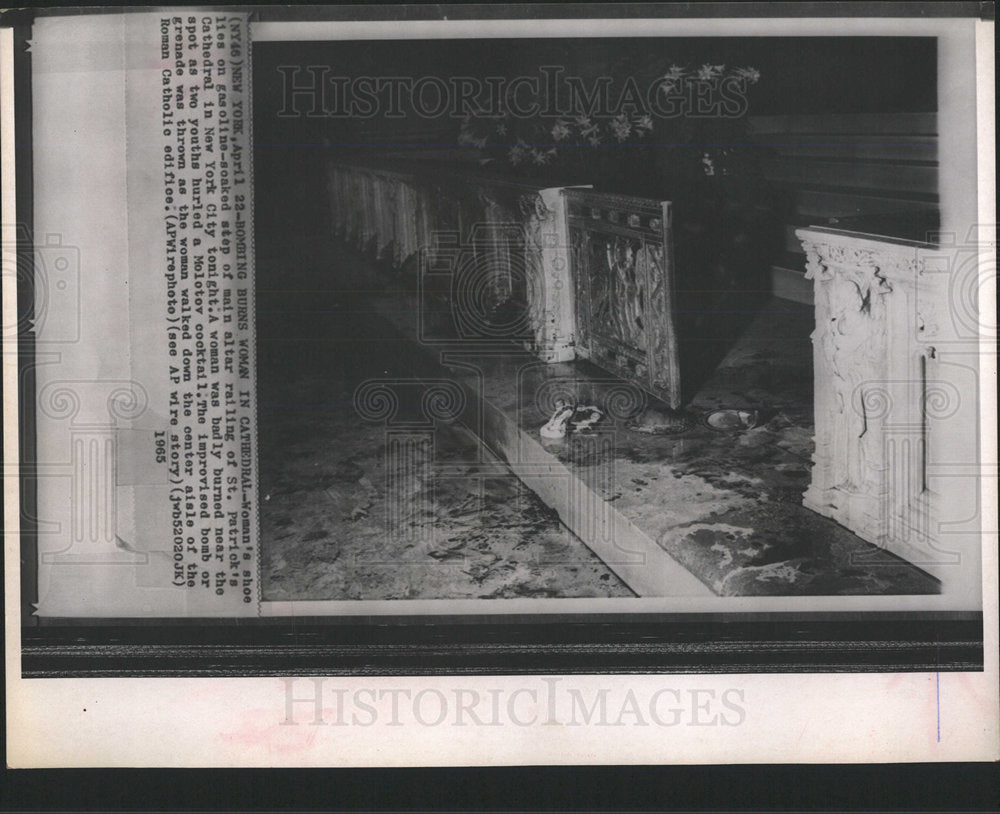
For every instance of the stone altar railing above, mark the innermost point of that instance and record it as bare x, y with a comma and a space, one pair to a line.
880, 393
501, 242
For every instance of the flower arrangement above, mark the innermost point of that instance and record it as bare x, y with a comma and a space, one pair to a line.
687, 141
688, 122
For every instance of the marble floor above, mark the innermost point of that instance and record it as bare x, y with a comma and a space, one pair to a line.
334, 526
726, 505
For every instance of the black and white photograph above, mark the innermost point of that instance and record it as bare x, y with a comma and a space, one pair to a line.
536, 319
513, 344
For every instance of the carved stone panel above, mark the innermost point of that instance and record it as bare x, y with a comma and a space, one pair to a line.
622, 276
871, 389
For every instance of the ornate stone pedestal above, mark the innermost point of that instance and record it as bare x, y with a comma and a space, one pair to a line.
876, 388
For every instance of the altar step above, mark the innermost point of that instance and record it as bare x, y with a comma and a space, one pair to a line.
701, 513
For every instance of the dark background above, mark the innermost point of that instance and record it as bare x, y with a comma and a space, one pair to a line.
798, 75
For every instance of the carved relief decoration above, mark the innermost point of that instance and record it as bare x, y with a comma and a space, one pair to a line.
537, 222
621, 261
866, 364
502, 238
